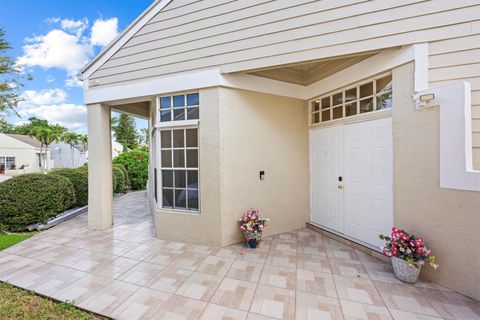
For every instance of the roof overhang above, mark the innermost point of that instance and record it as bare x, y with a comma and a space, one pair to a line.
121, 39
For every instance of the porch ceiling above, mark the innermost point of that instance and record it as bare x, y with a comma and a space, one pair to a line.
307, 73
137, 109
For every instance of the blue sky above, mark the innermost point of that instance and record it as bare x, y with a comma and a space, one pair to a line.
52, 40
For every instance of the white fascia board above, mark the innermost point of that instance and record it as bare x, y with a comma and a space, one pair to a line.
153, 86
456, 168
121, 39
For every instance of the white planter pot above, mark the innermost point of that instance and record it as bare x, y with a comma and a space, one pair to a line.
405, 271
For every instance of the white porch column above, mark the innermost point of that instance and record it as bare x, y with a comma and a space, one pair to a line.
100, 191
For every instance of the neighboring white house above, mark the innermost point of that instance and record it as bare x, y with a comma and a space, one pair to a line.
352, 116
21, 154
61, 154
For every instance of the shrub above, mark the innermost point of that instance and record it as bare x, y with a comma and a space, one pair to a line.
33, 198
136, 163
79, 179
125, 174
118, 176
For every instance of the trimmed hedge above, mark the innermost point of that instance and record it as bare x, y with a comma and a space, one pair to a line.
79, 179
33, 198
125, 174
136, 163
119, 185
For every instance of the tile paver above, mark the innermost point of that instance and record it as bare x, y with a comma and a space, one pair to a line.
126, 273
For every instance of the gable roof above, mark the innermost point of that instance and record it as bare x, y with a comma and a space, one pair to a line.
108, 51
26, 139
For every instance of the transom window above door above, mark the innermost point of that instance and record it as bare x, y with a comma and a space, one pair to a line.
368, 96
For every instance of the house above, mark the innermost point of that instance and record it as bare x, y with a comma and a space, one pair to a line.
66, 156
21, 154
350, 116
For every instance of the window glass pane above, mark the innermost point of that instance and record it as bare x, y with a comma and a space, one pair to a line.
366, 90
326, 103
178, 138
351, 109
192, 158
166, 139
351, 95
178, 114
167, 195
180, 198
337, 99
315, 106
193, 99
316, 117
366, 105
192, 199
384, 101
192, 113
167, 178
180, 179
192, 139
166, 158
165, 115
384, 84
178, 101
337, 112
192, 179
325, 115
165, 102
178, 159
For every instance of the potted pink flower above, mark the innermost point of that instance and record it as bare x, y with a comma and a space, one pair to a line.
252, 226
408, 254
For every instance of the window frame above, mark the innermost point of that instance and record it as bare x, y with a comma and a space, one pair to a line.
343, 90
171, 126
5, 161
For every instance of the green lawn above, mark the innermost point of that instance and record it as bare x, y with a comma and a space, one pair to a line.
21, 304
10, 239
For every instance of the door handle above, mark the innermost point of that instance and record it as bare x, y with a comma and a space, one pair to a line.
340, 186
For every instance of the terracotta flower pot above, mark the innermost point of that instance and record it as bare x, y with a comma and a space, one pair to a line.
405, 271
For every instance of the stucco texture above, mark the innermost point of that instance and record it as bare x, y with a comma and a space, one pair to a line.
449, 220
262, 132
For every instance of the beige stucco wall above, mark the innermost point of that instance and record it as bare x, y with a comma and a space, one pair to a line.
24, 154
449, 220
270, 133
204, 227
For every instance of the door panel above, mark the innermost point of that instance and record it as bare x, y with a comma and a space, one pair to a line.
326, 159
368, 167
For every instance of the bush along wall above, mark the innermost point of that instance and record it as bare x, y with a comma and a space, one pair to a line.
79, 179
136, 163
33, 198
126, 184
119, 185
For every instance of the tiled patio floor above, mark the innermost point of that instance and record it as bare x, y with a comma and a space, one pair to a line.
126, 273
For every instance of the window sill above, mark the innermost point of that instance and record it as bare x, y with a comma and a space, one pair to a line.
182, 123
373, 115
177, 212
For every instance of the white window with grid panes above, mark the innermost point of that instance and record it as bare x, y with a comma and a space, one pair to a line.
8, 162
177, 138
368, 96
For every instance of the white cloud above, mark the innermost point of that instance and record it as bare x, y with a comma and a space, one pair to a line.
56, 49
71, 116
75, 26
43, 97
104, 31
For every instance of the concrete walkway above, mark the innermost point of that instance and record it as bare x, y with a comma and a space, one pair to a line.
126, 273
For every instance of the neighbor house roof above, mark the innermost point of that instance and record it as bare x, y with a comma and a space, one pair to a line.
26, 139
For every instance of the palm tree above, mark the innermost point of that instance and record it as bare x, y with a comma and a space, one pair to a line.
46, 136
143, 136
72, 139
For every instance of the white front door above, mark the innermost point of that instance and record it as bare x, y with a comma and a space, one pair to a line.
326, 158
361, 154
